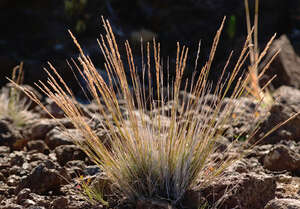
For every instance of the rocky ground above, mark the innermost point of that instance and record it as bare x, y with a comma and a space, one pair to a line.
40, 166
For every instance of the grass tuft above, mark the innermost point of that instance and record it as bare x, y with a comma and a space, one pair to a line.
151, 153
12, 106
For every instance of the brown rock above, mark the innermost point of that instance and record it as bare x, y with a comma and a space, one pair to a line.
286, 65
286, 105
282, 158
153, 204
53, 109
247, 191
37, 157
58, 137
41, 127
43, 178
283, 204
9, 136
13, 180
23, 195
38, 145
4, 149
12, 206
60, 203
65, 153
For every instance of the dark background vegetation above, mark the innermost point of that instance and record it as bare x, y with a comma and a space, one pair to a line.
35, 31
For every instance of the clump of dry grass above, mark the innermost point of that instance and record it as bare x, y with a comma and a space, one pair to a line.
12, 106
144, 157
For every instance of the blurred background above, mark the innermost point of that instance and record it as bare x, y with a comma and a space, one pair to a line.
35, 31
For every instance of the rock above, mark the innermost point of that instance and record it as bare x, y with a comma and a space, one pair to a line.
13, 180
153, 204
286, 65
29, 203
38, 145
37, 157
80, 204
58, 137
12, 206
43, 178
287, 186
4, 165
15, 170
60, 203
283, 204
243, 118
36, 207
2, 177
75, 163
75, 168
53, 109
193, 200
286, 105
282, 158
9, 136
65, 153
4, 149
246, 190
287, 95
92, 170
17, 158
41, 127
23, 195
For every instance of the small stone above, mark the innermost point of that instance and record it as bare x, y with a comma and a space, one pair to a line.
13, 180
57, 137
38, 145
28, 203
41, 127
23, 195
44, 178
283, 204
92, 170
60, 203
65, 153
153, 204
17, 158
12, 206
4, 149
282, 158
